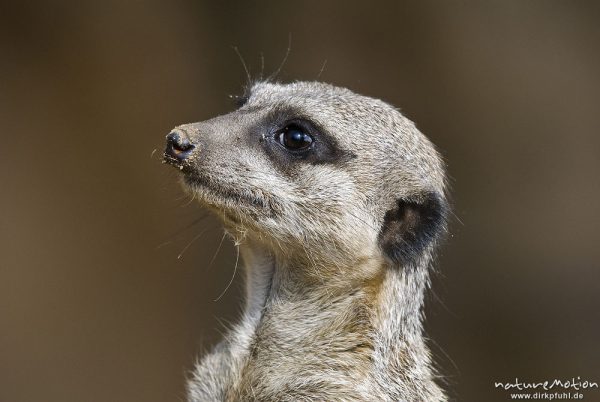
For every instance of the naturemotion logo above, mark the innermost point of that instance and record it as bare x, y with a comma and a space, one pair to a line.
560, 389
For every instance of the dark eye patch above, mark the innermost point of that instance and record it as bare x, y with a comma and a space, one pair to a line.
323, 148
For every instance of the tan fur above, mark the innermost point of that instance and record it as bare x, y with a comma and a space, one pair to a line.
330, 313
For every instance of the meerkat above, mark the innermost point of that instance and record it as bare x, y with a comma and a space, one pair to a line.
337, 203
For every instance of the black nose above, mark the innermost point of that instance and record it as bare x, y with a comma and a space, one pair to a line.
179, 146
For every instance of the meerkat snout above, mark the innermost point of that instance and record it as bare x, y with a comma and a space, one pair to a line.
178, 147
337, 203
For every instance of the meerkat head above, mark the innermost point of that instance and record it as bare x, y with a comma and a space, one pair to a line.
316, 173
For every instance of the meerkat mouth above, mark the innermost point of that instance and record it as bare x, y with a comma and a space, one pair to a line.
220, 195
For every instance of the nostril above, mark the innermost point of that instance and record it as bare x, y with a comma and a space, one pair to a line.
179, 142
178, 145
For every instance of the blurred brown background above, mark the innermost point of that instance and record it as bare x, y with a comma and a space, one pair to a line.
95, 304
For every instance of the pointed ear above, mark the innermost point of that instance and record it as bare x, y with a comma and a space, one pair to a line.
411, 226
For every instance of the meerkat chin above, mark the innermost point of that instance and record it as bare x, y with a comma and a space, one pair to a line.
337, 203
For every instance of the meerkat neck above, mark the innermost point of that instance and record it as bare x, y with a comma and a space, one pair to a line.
369, 330
392, 294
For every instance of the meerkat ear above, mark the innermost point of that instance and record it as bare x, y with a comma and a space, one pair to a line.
411, 226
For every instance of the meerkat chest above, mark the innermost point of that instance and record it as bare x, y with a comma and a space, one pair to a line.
299, 351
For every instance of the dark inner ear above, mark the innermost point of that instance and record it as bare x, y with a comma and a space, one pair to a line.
411, 226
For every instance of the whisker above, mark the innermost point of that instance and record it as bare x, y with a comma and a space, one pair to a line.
161, 245
216, 252
262, 65
237, 258
457, 218
248, 77
190, 201
322, 69
182, 197
287, 53
189, 225
190, 243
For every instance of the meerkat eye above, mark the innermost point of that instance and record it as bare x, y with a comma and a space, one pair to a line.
294, 137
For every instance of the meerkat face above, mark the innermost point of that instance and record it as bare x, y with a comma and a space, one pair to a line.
315, 170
